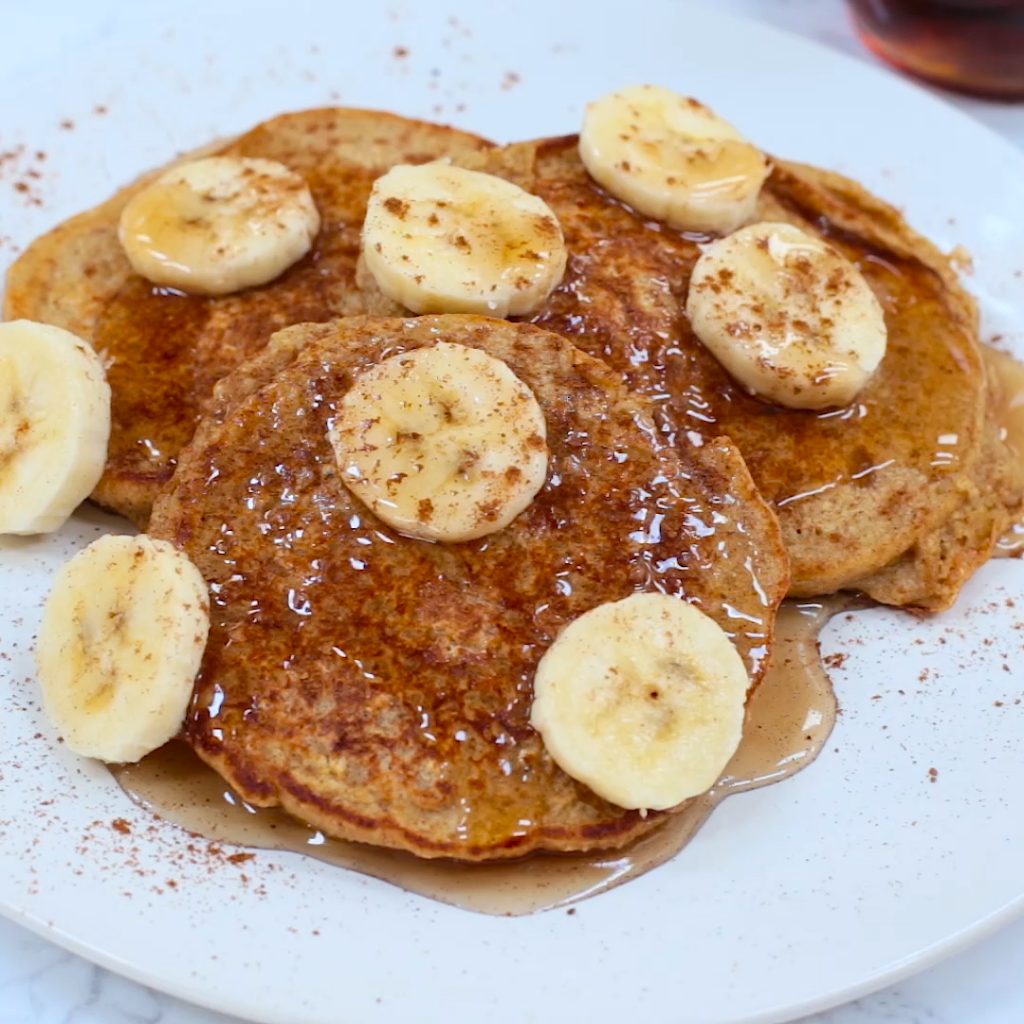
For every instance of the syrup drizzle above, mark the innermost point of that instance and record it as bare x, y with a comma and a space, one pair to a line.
1006, 377
789, 718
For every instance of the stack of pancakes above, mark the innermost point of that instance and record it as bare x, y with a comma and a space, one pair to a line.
380, 687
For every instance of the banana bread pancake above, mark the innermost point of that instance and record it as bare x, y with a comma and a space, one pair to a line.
901, 494
379, 687
167, 350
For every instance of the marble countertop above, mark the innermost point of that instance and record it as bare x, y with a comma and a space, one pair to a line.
43, 984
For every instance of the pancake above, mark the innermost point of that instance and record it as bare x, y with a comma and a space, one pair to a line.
167, 350
378, 686
900, 495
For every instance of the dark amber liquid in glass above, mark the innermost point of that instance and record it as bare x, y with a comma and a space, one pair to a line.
974, 46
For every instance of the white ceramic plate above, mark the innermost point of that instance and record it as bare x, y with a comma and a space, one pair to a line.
792, 898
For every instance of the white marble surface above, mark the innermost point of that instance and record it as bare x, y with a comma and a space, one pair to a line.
42, 984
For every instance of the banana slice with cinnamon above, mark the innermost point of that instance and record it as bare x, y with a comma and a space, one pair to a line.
219, 225
54, 425
443, 443
790, 318
672, 159
642, 700
443, 239
121, 641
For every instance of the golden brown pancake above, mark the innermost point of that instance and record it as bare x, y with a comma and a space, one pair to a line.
379, 687
901, 494
167, 350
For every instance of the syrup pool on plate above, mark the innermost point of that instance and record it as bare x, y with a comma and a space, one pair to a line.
1006, 377
789, 718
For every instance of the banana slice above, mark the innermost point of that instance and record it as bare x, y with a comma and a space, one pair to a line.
672, 158
443, 443
442, 239
120, 644
219, 225
790, 318
54, 425
642, 700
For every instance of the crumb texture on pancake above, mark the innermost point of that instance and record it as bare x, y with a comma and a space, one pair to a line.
380, 687
167, 350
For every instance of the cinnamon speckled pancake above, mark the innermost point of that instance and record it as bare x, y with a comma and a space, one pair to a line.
167, 350
379, 686
902, 493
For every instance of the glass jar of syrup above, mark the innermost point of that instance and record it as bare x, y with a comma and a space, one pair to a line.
974, 46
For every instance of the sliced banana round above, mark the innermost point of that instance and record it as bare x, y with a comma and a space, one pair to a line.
642, 700
54, 425
672, 158
442, 239
791, 319
120, 644
443, 443
219, 225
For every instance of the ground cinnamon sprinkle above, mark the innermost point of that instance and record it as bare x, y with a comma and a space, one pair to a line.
16, 167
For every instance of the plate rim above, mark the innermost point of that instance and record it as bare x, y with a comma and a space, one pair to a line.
910, 965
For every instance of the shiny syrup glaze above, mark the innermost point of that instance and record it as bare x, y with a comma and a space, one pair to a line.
623, 299
382, 688
789, 718
167, 350
889, 460
1007, 377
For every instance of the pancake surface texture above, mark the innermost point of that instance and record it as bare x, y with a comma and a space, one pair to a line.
902, 493
379, 687
167, 350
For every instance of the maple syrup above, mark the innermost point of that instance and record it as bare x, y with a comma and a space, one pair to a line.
974, 46
1006, 382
